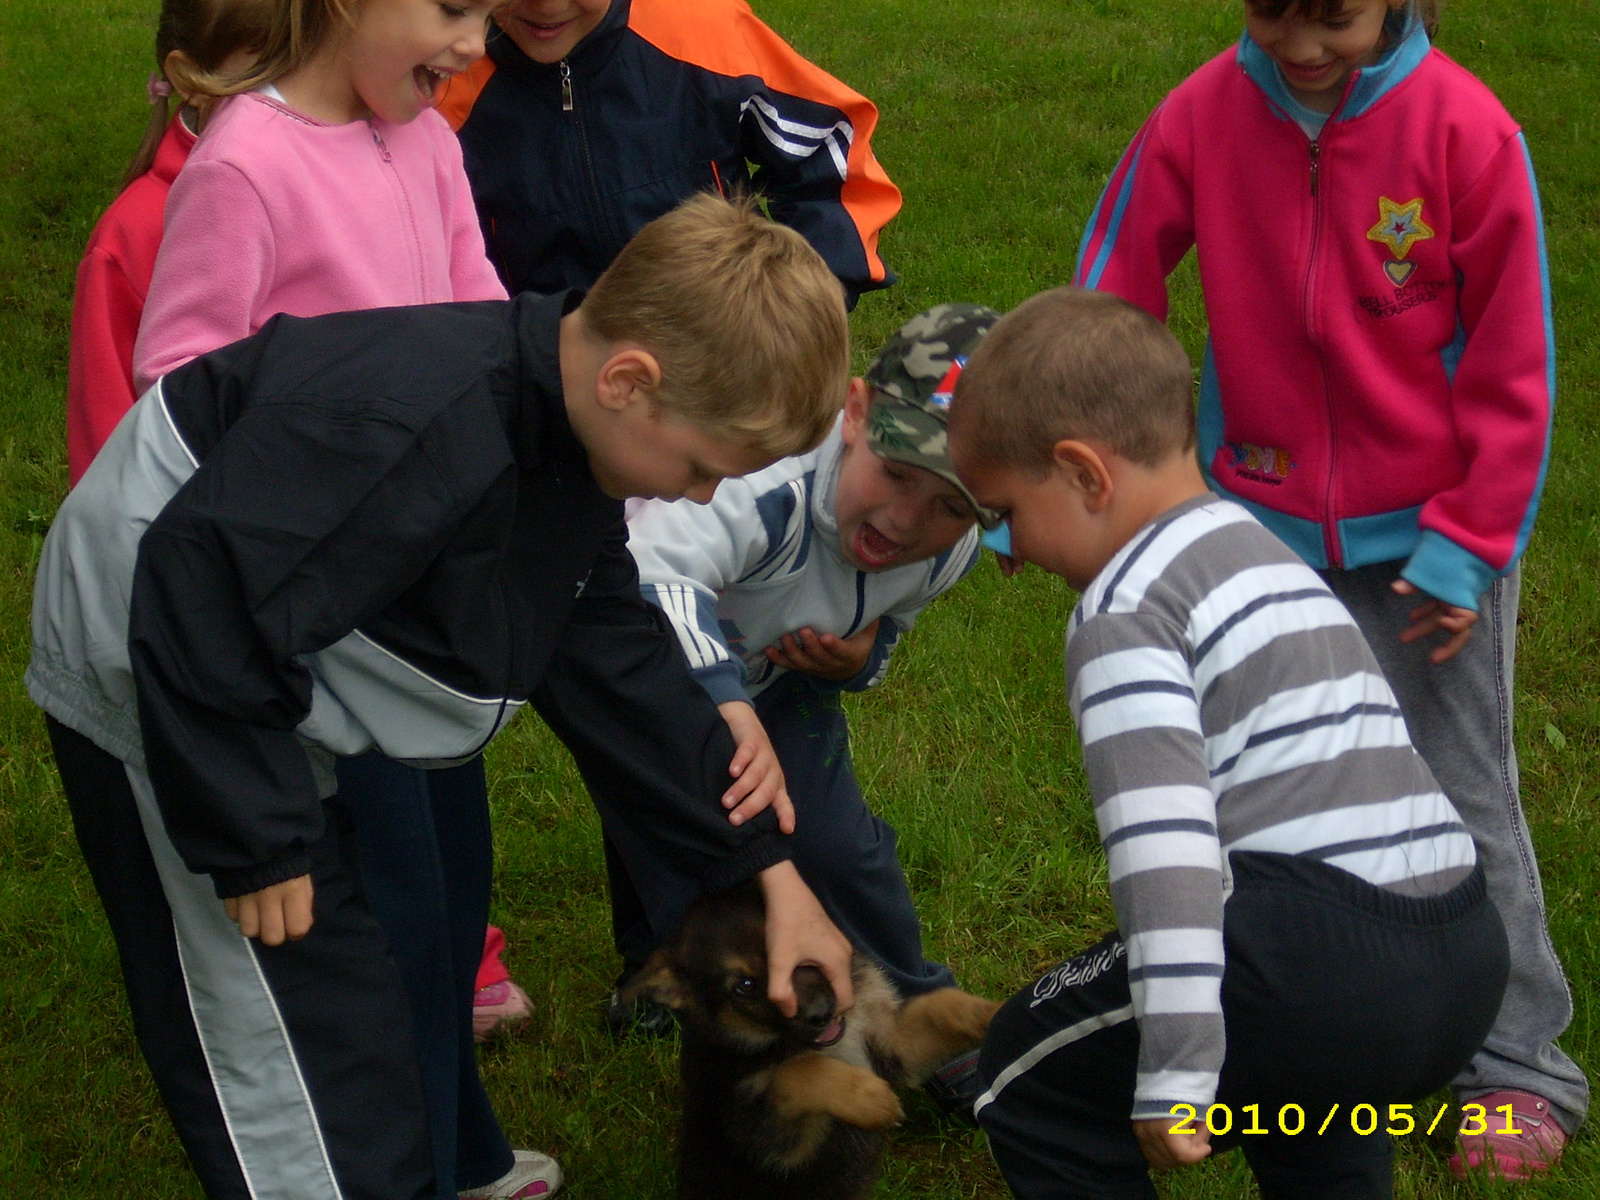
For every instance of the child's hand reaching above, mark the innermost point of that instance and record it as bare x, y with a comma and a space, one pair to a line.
1164, 1151
1433, 615
758, 779
825, 655
277, 914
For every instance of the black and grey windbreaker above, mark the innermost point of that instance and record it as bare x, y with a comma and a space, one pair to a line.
357, 530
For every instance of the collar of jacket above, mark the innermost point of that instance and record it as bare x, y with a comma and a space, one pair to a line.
543, 431
172, 151
825, 486
586, 58
1368, 85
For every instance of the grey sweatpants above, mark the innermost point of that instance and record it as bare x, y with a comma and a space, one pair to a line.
1459, 716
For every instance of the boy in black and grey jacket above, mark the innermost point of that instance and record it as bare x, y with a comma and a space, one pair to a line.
394, 529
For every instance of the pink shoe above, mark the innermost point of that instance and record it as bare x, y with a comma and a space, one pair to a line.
532, 1175
1535, 1147
498, 1008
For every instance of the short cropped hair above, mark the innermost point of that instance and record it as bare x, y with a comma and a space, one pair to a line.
744, 317
1071, 363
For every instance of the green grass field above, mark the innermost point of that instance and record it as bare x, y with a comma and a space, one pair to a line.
1000, 122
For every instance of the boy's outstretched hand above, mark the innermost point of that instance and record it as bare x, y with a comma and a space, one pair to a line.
758, 779
1164, 1151
825, 655
1432, 615
277, 914
799, 932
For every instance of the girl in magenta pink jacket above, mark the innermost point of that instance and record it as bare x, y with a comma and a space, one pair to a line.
1381, 370
1378, 389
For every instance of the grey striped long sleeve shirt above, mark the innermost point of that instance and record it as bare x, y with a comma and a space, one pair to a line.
1225, 700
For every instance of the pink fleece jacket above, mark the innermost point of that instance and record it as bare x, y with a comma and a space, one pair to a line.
277, 213
1381, 373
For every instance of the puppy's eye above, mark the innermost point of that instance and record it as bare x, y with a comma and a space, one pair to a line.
745, 985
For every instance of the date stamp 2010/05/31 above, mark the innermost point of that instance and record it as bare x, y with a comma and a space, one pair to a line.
1364, 1119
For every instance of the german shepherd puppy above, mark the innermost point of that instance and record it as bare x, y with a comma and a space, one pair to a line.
779, 1107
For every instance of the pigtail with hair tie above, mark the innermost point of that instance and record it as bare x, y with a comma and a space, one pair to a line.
157, 87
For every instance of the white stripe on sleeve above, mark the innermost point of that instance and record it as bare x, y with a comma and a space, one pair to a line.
1136, 806
1182, 994
1139, 710
1162, 851
1136, 665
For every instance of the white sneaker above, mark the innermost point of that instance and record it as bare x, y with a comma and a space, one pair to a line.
532, 1174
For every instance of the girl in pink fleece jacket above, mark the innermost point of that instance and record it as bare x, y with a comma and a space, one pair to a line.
326, 182
1378, 389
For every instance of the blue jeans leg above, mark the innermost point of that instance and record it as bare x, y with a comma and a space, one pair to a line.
845, 852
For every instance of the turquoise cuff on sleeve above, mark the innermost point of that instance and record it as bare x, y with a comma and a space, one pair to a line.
1448, 572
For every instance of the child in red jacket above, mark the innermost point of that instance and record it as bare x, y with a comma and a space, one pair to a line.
1378, 390
211, 35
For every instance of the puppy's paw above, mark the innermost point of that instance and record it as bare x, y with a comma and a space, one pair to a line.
968, 1020
957, 1018
867, 1102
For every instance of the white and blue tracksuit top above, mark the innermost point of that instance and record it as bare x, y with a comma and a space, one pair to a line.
762, 560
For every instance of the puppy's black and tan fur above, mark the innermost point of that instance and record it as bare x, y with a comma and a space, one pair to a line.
777, 1107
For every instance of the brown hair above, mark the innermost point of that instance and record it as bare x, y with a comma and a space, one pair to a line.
1071, 363
1425, 11
193, 39
745, 318
294, 31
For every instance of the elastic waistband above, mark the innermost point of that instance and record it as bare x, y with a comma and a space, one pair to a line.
1261, 869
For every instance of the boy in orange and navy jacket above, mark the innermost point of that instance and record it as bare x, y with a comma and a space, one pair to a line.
589, 118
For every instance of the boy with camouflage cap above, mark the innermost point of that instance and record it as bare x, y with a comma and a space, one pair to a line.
794, 584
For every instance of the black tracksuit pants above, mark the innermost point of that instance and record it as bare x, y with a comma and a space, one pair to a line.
845, 853
1334, 991
289, 1071
426, 855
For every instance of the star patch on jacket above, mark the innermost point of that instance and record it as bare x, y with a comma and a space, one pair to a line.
1399, 227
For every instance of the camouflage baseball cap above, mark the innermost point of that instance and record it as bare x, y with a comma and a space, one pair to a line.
912, 379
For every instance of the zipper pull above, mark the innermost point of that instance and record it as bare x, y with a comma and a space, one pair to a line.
377, 140
566, 87
1316, 150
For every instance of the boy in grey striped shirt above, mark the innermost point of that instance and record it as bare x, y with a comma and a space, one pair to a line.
1302, 918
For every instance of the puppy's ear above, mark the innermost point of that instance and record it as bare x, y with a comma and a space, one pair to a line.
657, 981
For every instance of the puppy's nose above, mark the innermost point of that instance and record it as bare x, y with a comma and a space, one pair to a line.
815, 995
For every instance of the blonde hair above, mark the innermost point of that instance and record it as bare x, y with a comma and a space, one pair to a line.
1071, 363
193, 39
295, 30
745, 318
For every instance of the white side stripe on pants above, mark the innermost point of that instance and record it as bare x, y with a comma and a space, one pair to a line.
1062, 1037
262, 1093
